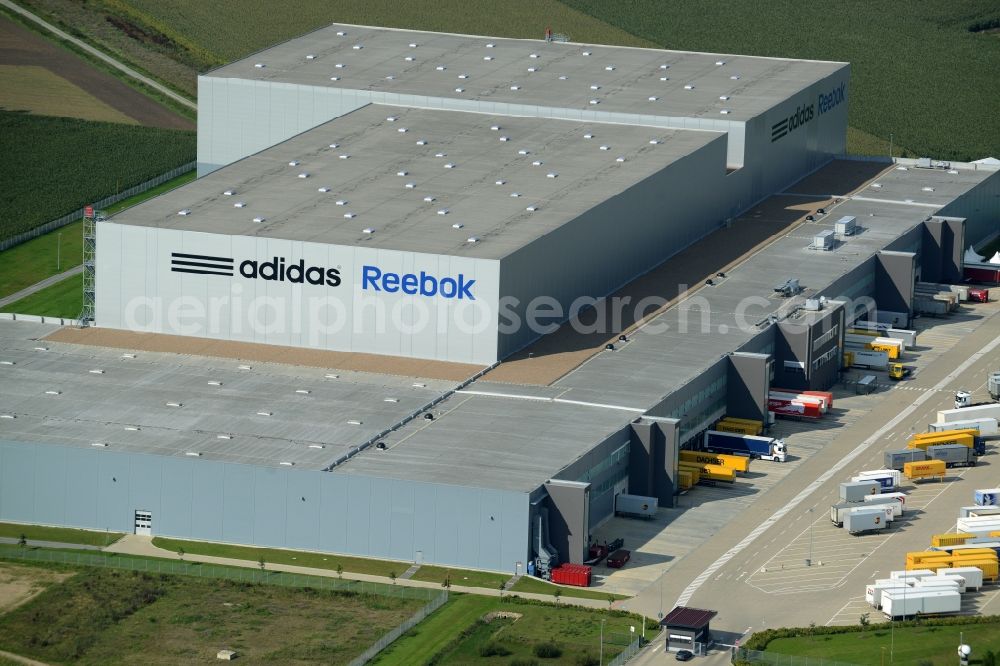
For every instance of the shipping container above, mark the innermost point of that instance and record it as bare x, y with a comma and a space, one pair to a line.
914, 574
867, 519
901, 604
973, 576
635, 506
896, 459
739, 464
861, 358
973, 511
952, 455
889, 479
924, 470
873, 591
966, 437
983, 427
578, 575
990, 411
986, 497
951, 539
889, 499
941, 575
856, 491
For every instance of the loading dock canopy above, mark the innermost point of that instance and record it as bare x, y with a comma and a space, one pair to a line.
682, 617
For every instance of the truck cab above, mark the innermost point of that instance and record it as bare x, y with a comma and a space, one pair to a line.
779, 451
898, 371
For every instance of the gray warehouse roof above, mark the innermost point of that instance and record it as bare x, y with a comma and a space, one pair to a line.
422, 181
173, 405
532, 72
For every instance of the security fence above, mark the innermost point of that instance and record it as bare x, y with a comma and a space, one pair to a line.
630, 651
106, 201
392, 635
744, 656
218, 571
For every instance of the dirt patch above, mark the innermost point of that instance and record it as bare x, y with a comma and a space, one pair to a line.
40, 91
248, 351
19, 584
20, 46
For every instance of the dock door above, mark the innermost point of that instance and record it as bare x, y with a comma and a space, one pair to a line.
144, 523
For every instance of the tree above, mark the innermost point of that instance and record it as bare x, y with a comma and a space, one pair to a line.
22, 541
502, 585
557, 594
989, 659
392, 577
864, 621
261, 562
180, 553
611, 600
446, 583
340, 570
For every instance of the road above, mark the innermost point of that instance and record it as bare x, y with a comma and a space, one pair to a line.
753, 570
128, 71
38, 286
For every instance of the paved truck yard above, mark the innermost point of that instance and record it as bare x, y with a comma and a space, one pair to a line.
753, 569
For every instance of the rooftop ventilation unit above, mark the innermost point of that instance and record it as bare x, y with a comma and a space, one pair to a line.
735, 77
403, 130
605, 148
824, 240
390, 400
515, 195
789, 288
490, 45
311, 57
419, 385
259, 65
460, 90
720, 63
725, 112
409, 58
724, 98
413, 45
688, 87
533, 55
175, 404
331, 376
259, 220
501, 182
585, 53
443, 211
440, 154
7, 416
123, 356
595, 87
264, 413
304, 174
293, 163
341, 33
421, 142
537, 163
653, 98
316, 446
341, 202
99, 444
229, 193
472, 239
595, 101
457, 225
588, 136
41, 348
563, 77
368, 230
620, 158
286, 463
664, 66
505, 139
132, 428
655, 142
515, 87
440, 68
185, 211
303, 391
846, 226
224, 436
410, 186
357, 47
531, 209
334, 78
552, 174
12, 362
97, 372
340, 65
193, 454
350, 216
354, 422
609, 68
324, 190
240, 204
463, 76
53, 392
429, 199
214, 382
335, 145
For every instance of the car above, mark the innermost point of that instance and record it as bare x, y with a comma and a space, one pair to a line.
684, 655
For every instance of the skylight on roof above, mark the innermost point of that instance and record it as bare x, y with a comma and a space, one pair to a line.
259, 65
410, 186
463, 76
595, 87
460, 90
585, 53
259, 219
429, 199
311, 56
443, 211
334, 78
340, 65
402, 173
487, 58
368, 230
357, 47
595, 101
523, 151
653, 98
440, 68
324, 190
350, 216
563, 77
457, 225
229, 193
533, 55
472, 239
501, 182
688, 87
725, 112
409, 58
413, 45
185, 211
341, 33
341, 202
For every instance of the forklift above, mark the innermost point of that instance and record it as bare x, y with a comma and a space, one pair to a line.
898, 371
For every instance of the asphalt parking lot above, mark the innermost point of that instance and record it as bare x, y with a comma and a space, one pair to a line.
744, 554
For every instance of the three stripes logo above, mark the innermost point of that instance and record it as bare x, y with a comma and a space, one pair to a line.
779, 130
201, 264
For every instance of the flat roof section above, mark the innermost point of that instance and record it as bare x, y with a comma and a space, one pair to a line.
416, 368
652, 82
490, 441
422, 181
178, 405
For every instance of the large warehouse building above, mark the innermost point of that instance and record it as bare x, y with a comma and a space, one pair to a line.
320, 224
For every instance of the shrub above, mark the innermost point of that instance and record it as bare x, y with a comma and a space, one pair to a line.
548, 650
493, 649
989, 659
587, 660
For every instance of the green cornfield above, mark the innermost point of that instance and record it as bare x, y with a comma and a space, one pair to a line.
54, 166
924, 72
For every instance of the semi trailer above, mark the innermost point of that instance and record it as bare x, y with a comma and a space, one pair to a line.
765, 448
953, 455
896, 459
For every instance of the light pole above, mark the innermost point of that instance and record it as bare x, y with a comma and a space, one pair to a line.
890, 145
601, 660
58, 251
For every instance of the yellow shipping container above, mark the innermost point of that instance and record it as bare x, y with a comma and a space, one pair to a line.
924, 469
926, 555
736, 463
950, 539
746, 426
989, 568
